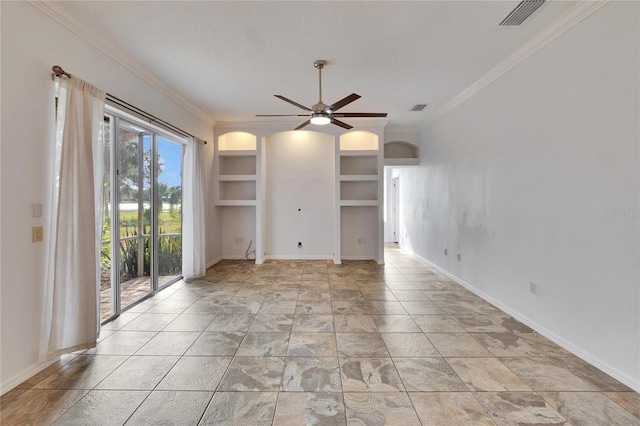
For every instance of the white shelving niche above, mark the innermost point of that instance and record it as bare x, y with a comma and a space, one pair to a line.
237, 183
359, 197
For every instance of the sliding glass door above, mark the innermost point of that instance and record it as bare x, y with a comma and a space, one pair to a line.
134, 176
169, 214
143, 221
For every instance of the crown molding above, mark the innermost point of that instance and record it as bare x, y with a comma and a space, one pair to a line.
570, 19
58, 14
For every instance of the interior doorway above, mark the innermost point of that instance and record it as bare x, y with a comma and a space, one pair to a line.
391, 206
395, 208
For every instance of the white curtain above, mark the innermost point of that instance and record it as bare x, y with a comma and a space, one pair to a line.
71, 305
193, 241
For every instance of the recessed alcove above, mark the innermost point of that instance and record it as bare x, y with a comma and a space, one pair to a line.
359, 140
399, 153
237, 141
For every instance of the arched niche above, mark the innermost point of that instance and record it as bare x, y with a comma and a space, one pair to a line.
237, 141
400, 153
359, 140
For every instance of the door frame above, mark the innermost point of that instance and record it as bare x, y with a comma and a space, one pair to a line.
394, 187
155, 206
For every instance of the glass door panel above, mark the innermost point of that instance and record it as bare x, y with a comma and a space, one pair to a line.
134, 213
107, 305
142, 227
169, 217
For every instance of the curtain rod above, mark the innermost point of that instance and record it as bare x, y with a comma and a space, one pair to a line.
58, 71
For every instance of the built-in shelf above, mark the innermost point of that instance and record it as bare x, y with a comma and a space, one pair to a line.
237, 190
354, 165
359, 190
237, 140
359, 203
359, 177
401, 162
236, 170
358, 140
236, 203
400, 154
243, 178
238, 180
361, 153
237, 153
237, 165
359, 193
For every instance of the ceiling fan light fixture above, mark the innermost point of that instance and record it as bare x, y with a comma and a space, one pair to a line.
320, 119
321, 114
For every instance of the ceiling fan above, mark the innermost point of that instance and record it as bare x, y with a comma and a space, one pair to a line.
320, 113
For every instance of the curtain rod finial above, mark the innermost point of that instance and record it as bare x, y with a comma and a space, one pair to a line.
57, 70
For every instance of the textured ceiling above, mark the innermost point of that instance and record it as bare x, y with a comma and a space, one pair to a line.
230, 58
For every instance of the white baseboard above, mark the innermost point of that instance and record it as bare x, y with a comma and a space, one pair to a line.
297, 257
232, 257
214, 261
357, 258
621, 376
26, 374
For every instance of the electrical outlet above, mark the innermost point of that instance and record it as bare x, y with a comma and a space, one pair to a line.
532, 287
239, 240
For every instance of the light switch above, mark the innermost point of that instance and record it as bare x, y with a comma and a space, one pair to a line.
37, 234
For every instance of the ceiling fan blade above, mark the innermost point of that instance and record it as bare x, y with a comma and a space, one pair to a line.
282, 115
292, 102
360, 114
342, 102
341, 124
302, 125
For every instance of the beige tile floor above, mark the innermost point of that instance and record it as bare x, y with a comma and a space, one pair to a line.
312, 343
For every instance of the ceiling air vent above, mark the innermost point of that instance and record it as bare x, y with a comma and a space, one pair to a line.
418, 107
521, 12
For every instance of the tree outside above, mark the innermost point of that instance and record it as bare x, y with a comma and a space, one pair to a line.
134, 180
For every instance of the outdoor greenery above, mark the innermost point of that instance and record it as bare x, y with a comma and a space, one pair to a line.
134, 182
169, 220
169, 255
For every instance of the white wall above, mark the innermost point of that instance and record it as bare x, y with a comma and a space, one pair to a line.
299, 199
521, 178
31, 44
359, 230
238, 232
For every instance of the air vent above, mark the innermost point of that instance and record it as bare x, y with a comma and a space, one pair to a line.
521, 12
418, 107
